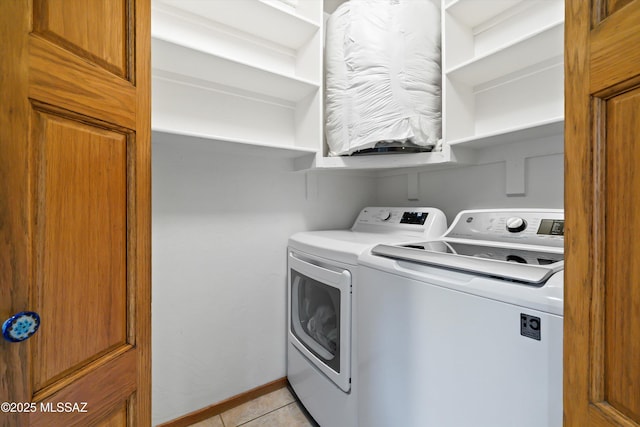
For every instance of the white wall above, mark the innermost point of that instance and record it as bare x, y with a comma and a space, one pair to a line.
220, 228
481, 186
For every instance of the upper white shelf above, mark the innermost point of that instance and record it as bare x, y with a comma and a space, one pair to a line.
192, 64
432, 160
383, 161
474, 12
229, 145
527, 51
554, 126
270, 20
239, 73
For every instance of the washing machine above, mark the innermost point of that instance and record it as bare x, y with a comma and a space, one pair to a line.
322, 272
465, 330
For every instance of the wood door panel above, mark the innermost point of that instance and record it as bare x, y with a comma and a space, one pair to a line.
614, 5
75, 177
105, 388
81, 226
60, 78
98, 30
612, 61
602, 196
14, 227
117, 419
622, 269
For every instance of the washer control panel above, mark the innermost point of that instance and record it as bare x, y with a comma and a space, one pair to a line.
534, 227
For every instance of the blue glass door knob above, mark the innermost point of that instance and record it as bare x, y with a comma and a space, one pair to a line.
20, 326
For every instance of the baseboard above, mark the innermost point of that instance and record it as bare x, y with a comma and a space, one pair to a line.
225, 405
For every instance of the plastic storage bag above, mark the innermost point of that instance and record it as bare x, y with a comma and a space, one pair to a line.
383, 76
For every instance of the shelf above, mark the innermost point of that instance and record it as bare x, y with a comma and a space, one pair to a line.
269, 20
525, 52
432, 160
475, 12
243, 73
503, 81
538, 130
383, 161
203, 108
202, 66
210, 33
229, 145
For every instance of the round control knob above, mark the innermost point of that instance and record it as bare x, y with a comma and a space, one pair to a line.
385, 215
516, 224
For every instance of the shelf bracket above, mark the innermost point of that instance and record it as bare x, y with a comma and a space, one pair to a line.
311, 186
515, 175
413, 186
515, 156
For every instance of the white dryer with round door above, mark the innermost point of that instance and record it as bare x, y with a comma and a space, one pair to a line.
322, 274
466, 330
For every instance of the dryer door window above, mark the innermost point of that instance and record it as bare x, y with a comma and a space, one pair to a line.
320, 316
315, 318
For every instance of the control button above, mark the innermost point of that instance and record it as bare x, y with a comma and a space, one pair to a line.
385, 215
516, 224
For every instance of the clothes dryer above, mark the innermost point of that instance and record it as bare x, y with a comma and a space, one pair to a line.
322, 274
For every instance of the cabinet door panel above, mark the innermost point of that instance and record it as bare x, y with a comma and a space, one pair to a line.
602, 187
81, 230
98, 30
622, 297
75, 210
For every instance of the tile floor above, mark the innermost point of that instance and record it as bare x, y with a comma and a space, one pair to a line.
276, 409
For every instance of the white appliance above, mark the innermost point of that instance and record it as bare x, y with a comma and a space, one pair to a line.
322, 273
465, 330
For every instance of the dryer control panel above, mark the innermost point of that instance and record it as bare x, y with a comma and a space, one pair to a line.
409, 220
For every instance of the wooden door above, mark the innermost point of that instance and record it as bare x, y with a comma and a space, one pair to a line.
75, 210
602, 205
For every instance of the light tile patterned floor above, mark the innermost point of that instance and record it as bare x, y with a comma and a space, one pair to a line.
276, 409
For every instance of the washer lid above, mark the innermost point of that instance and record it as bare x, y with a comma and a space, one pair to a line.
524, 245
513, 263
